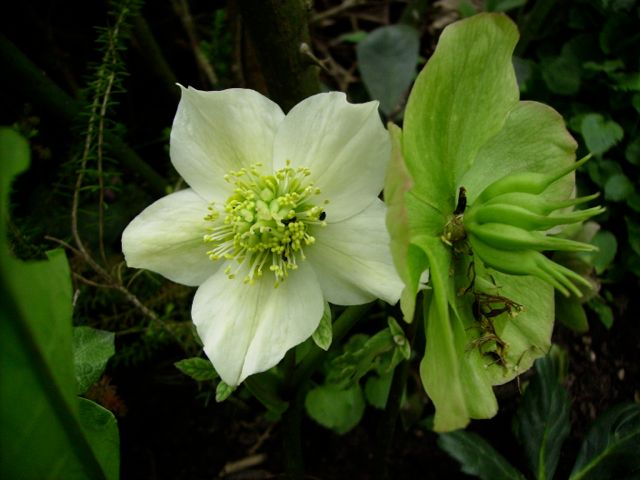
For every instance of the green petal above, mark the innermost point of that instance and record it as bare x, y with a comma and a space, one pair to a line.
533, 139
459, 101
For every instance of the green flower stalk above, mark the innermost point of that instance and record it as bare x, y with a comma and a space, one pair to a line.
477, 184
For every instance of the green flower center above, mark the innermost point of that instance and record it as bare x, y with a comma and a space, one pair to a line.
268, 221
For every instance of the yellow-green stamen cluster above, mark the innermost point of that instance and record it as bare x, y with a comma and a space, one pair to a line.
267, 223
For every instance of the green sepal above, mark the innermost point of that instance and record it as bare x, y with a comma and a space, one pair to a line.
324, 333
200, 369
223, 391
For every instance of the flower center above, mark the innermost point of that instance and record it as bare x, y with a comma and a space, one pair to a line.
267, 223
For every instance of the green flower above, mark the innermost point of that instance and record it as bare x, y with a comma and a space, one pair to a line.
282, 216
476, 181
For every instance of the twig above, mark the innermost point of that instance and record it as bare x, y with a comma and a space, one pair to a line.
337, 10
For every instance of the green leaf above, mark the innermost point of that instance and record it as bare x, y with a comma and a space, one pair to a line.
387, 60
92, 349
503, 5
562, 73
377, 388
223, 391
633, 234
604, 312
477, 457
336, 408
570, 312
542, 420
41, 429
324, 333
101, 429
600, 134
266, 388
632, 152
607, 248
618, 187
200, 369
610, 449
402, 344
635, 101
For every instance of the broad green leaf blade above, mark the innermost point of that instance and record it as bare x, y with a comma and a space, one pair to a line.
101, 429
570, 312
610, 450
336, 408
387, 60
542, 420
200, 369
376, 389
459, 101
41, 435
92, 349
477, 457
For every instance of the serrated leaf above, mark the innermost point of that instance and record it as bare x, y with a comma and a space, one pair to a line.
223, 391
610, 449
324, 333
600, 134
336, 408
41, 423
477, 457
387, 60
92, 348
200, 369
542, 420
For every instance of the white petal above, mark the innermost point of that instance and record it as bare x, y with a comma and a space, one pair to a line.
167, 238
247, 329
353, 261
345, 145
217, 132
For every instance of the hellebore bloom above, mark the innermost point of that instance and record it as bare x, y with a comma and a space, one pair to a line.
282, 216
477, 180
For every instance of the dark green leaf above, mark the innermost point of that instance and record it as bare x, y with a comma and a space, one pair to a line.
632, 152
635, 101
570, 313
618, 187
265, 387
336, 408
477, 457
607, 248
604, 312
41, 433
562, 74
387, 60
503, 5
376, 390
633, 234
600, 134
101, 429
542, 420
200, 369
633, 201
610, 450
92, 349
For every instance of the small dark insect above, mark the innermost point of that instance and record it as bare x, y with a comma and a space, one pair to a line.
322, 216
462, 202
287, 221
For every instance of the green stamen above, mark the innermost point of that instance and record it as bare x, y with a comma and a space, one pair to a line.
267, 223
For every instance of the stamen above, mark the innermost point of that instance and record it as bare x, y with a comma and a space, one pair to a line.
267, 219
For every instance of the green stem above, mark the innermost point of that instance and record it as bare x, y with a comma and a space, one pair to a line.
278, 28
387, 425
43, 92
295, 389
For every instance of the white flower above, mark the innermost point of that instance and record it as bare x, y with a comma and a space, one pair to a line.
282, 215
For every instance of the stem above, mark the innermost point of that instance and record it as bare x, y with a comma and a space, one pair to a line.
278, 28
295, 390
31, 81
387, 425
